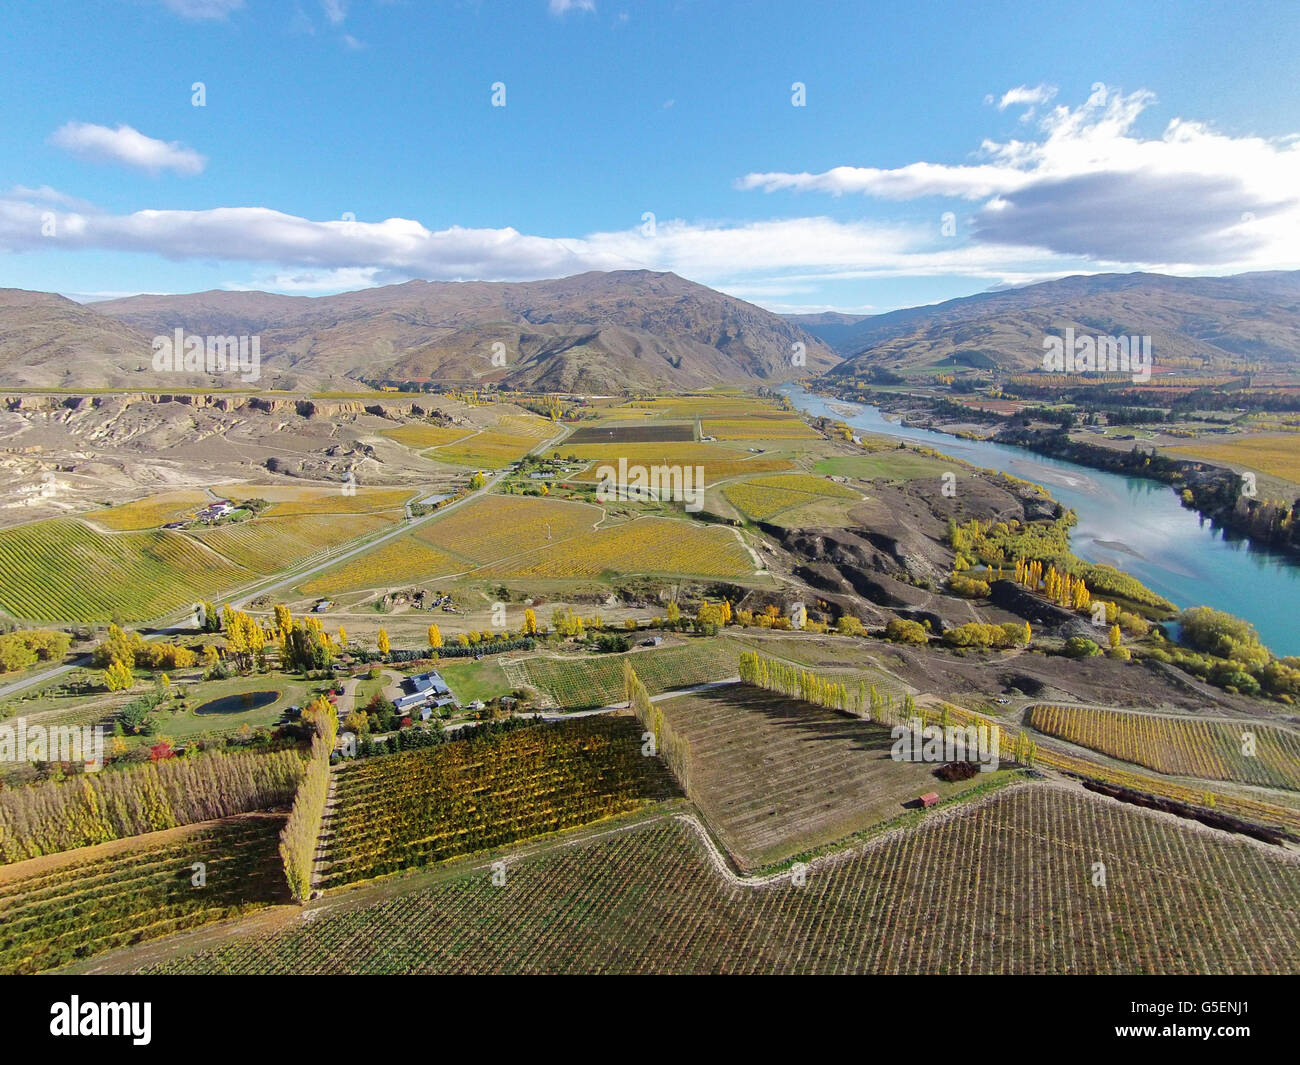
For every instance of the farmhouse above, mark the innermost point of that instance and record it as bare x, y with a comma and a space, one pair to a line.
213, 511
426, 690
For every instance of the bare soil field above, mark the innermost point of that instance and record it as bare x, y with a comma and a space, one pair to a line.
775, 777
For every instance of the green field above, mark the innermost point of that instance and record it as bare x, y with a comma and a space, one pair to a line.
894, 464
63, 570
470, 680
579, 683
184, 724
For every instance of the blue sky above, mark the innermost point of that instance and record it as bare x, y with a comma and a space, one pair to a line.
941, 149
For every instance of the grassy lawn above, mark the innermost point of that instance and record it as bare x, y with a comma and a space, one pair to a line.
185, 724
367, 689
470, 680
893, 465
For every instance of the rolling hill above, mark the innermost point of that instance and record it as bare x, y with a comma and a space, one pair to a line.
595, 332
1225, 320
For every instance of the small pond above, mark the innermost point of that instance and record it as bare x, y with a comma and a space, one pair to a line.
238, 704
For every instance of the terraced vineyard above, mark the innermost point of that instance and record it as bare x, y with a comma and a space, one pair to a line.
151, 511
715, 470
63, 570
57, 910
512, 438
1180, 746
289, 499
267, 545
646, 545
1276, 455
719, 406
483, 791
330, 501
1003, 887
400, 561
667, 452
587, 682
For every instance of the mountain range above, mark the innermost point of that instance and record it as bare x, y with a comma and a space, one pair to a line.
594, 333
628, 331
1221, 320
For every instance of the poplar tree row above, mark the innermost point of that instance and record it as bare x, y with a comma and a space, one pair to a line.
301, 833
675, 749
798, 683
97, 807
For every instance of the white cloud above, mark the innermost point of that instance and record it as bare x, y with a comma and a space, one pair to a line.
335, 11
320, 255
1089, 186
563, 7
1024, 95
903, 183
346, 279
203, 9
127, 146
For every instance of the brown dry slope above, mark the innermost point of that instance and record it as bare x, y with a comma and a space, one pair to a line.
594, 332
776, 777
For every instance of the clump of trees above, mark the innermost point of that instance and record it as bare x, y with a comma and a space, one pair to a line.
306, 646
903, 630
18, 650
980, 634
1222, 635
122, 648
1081, 647
969, 587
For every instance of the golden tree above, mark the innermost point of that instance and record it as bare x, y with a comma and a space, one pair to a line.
118, 677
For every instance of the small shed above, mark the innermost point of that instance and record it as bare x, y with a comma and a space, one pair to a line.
930, 798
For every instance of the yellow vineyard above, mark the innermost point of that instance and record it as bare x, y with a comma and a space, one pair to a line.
336, 501
647, 545
495, 527
1215, 750
760, 427
423, 436
152, 511
764, 497
266, 545
1276, 455
401, 561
